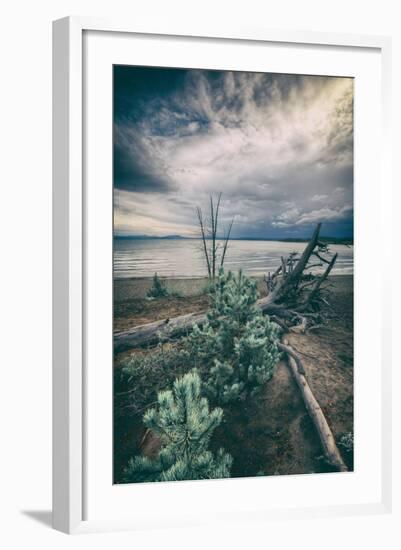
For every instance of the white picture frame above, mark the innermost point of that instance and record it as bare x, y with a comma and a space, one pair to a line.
70, 257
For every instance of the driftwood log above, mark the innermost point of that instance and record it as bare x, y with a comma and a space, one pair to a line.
330, 449
150, 333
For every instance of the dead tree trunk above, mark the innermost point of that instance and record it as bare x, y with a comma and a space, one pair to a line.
324, 432
209, 232
144, 335
284, 284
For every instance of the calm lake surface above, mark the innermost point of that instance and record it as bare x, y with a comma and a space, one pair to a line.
182, 258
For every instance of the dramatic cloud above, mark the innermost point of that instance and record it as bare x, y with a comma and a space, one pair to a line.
279, 147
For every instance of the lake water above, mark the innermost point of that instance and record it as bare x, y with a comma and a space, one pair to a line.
182, 258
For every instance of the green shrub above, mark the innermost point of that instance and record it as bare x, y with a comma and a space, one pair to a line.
184, 425
346, 441
238, 344
158, 288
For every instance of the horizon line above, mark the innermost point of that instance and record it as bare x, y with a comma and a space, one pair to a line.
178, 237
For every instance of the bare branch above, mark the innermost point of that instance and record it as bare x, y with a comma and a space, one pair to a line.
313, 265
201, 225
213, 252
226, 243
321, 279
283, 267
314, 253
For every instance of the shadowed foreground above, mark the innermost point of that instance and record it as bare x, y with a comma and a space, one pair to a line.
272, 432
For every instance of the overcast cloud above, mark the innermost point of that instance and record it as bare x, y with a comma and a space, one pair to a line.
279, 147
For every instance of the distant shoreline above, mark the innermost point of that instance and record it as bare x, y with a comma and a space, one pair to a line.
347, 241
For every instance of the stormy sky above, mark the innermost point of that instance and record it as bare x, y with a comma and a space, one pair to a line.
279, 147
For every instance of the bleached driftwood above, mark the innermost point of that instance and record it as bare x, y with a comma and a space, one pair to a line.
151, 332
324, 432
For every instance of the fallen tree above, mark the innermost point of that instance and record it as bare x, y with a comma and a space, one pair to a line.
295, 294
330, 449
151, 333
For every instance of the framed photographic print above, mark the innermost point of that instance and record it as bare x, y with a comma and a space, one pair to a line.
213, 291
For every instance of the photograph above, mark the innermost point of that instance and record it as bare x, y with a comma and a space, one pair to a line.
233, 248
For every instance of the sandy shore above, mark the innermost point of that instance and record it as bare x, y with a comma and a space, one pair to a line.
126, 289
131, 308
273, 433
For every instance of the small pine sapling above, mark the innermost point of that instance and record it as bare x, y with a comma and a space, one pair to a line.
185, 426
238, 344
158, 288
